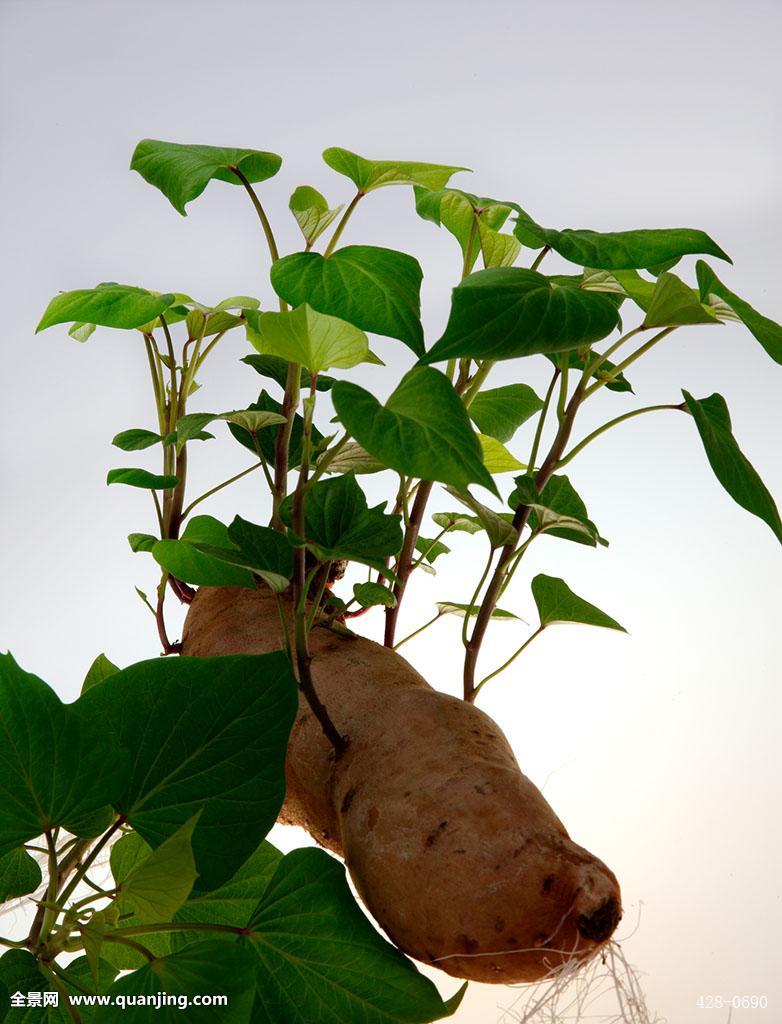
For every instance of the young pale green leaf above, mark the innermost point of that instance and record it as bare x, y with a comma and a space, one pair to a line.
558, 510
731, 467
370, 594
422, 431
136, 440
121, 306
141, 478
626, 283
500, 412
463, 215
674, 303
620, 250
556, 602
141, 541
20, 874
308, 924
497, 249
462, 611
338, 524
511, 311
312, 212
204, 968
277, 369
352, 458
766, 331
267, 437
458, 521
498, 527
81, 332
158, 886
496, 457
375, 289
99, 670
203, 556
238, 302
206, 734
367, 175
56, 767
252, 420
431, 549
316, 341
182, 172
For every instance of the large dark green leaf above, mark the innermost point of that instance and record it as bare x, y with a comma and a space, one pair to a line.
277, 369
371, 174
208, 968
56, 767
19, 874
556, 602
500, 412
314, 340
203, 556
319, 959
766, 331
267, 437
109, 305
510, 311
731, 467
621, 250
19, 972
203, 734
376, 289
423, 430
338, 524
183, 172
264, 551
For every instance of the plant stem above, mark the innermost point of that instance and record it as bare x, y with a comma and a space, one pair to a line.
267, 228
179, 926
507, 663
420, 629
218, 487
640, 351
564, 369
540, 257
612, 423
131, 943
432, 545
475, 384
89, 860
476, 593
282, 447
601, 358
541, 421
157, 386
51, 892
405, 561
62, 990
342, 222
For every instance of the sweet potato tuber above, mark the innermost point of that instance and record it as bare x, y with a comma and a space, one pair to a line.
456, 854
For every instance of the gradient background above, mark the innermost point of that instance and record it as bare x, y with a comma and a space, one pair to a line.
659, 750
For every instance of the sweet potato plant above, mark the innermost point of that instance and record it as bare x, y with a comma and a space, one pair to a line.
271, 706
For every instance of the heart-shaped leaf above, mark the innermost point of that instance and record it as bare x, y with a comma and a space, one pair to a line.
674, 303
423, 430
203, 556
557, 510
464, 215
496, 457
352, 458
371, 174
122, 306
182, 172
312, 212
314, 340
621, 250
511, 311
20, 874
731, 467
766, 331
556, 602
370, 594
56, 767
158, 886
267, 437
376, 289
203, 734
500, 412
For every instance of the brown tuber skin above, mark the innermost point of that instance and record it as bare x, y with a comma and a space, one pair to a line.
456, 854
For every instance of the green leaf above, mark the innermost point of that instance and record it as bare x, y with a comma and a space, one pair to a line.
277, 370
499, 528
497, 249
183, 172
766, 331
264, 551
626, 283
431, 549
109, 305
141, 478
338, 524
191, 425
620, 250
675, 303
136, 440
194, 559
99, 670
422, 431
370, 594
318, 958
463, 611
606, 371
203, 968
500, 412
316, 341
375, 289
556, 602
81, 332
20, 874
496, 456
558, 510
463, 214
205, 734
372, 174
157, 887
731, 467
312, 212
511, 311
55, 767
352, 458
252, 420
267, 437
141, 541
458, 521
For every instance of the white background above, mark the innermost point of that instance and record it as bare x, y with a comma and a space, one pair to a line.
658, 750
